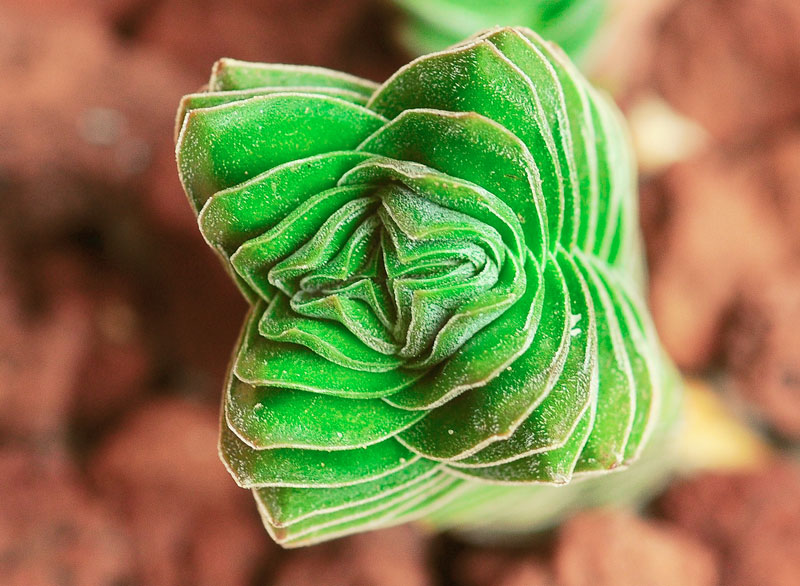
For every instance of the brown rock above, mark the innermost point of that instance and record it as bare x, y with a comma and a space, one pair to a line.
80, 344
198, 313
718, 233
734, 65
166, 203
117, 363
618, 549
109, 12
391, 557
763, 352
89, 116
279, 31
40, 360
490, 567
52, 532
779, 168
527, 573
750, 519
481, 567
190, 523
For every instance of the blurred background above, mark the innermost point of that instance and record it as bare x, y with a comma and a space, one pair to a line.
116, 321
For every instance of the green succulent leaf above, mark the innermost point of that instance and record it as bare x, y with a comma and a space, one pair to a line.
225, 145
445, 279
433, 25
231, 75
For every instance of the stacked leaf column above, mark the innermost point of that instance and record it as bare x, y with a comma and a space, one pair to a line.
445, 278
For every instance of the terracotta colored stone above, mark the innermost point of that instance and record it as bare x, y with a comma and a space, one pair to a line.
79, 344
252, 31
734, 65
90, 115
751, 520
190, 523
763, 352
52, 532
106, 11
196, 311
779, 168
527, 573
493, 567
481, 566
391, 557
117, 364
40, 359
618, 549
716, 234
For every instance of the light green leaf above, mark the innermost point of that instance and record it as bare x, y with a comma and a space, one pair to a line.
231, 75
225, 145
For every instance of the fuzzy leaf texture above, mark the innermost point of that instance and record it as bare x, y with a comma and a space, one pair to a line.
433, 25
445, 278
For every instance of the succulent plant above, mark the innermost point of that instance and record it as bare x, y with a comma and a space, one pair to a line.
445, 278
432, 25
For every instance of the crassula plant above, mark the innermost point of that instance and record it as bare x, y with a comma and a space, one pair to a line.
446, 285
432, 25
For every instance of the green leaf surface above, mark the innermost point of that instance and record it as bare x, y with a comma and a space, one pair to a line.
268, 418
225, 145
479, 78
483, 358
231, 75
478, 150
491, 412
566, 414
382, 507
301, 468
432, 25
262, 362
285, 506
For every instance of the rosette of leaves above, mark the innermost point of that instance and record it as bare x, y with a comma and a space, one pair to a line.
444, 274
432, 25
